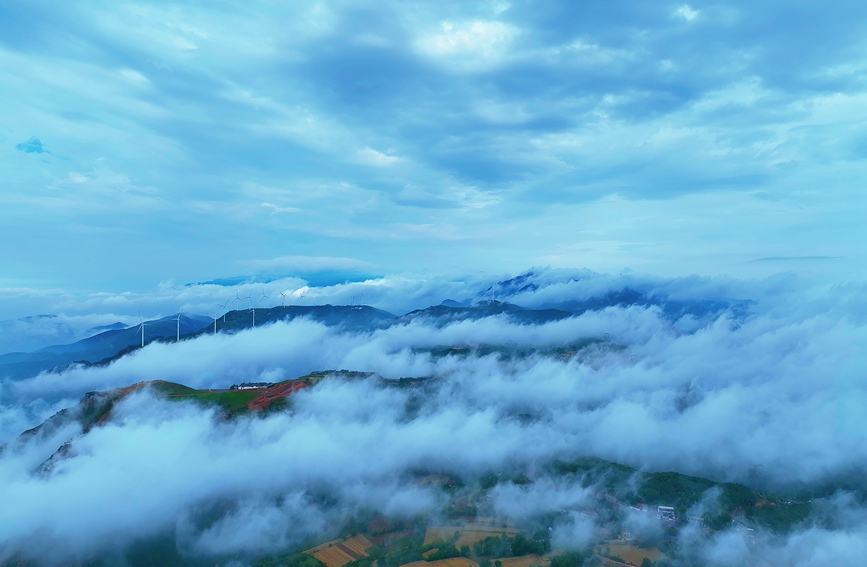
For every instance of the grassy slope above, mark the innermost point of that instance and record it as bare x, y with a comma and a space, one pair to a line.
230, 400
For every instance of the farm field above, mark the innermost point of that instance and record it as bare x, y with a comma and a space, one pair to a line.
337, 553
487, 521
525, 561
629, 553
453, 562
468, 534
233, 401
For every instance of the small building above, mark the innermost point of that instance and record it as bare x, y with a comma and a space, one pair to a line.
251, 386
666, 513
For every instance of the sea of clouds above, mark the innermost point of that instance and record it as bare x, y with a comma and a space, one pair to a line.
775, 398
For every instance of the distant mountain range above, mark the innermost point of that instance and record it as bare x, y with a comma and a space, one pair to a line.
98, 347
450, 311
39, 331
347, 317
530, 283
116, 340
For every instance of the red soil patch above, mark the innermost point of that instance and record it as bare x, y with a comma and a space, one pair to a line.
263, 400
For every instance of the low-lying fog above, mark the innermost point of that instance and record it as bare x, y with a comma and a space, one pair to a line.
776, 398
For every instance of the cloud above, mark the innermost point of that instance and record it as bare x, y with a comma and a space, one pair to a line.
552, 116
275, 209
537, 134
469, 46
774, 398
685, 12
32, 146
307, 264
520, 502
716, 396
370, 156
32, 333
795, 258
134, 77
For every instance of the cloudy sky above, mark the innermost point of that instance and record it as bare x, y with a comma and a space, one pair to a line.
147, 141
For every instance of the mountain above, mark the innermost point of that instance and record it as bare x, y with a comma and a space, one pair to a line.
347, 317
571, 298
615, 484
107, 346
113, 327
37, 331
531, 282
509, 288
451, 311
98, 347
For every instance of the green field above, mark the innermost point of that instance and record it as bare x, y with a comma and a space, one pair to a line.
230, 400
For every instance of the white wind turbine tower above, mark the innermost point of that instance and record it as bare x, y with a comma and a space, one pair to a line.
215, 316
223, 305
283, 298
141, 325
178, 319
252, 306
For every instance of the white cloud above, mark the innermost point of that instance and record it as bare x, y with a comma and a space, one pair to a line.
594, 54
276, 209
470, 46
718, 397
134, 77
370, 156
685, 12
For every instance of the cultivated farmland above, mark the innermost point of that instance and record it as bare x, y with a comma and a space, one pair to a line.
453, 562
337, 553
629, 553
468, 535
525, 561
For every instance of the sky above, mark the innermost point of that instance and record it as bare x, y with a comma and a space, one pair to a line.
150, 142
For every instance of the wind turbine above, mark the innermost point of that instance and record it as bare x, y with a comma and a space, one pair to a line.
142, 326
223, 305
238, 298
178, 319
252, 306
215, 316
283, 298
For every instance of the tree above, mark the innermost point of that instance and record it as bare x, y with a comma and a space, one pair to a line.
569, 559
